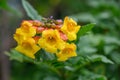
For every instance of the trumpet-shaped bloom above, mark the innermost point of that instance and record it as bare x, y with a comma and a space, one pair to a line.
70, 28
19, 38
68, 51
51, 40
28, 47
26, 29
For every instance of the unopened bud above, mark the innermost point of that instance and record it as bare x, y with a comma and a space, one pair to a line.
37, 23
48, 24
53, 25
40, 30
63, 36
58, 21
36, 38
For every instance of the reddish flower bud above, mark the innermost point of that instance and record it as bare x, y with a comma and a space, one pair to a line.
40, 29
59, 21
63, 36
36, 38
37, 23
58, 26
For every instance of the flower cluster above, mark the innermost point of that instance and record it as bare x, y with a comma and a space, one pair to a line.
50, 35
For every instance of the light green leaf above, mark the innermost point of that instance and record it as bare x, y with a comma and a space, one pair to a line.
84, 17
15, 55
111, 40
109, 48
116, 57
31, 12
101, 58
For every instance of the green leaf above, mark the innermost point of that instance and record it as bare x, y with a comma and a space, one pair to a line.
42, 55
84, 17
101, 58
4, 5
50, 78
85, 29
15, 55
85, 74
116, 57
111, 40
31, 12
109, 48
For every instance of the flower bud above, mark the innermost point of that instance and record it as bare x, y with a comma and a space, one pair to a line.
37, 23
59, 21
40, 30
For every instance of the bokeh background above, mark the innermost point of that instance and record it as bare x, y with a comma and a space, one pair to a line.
104, 39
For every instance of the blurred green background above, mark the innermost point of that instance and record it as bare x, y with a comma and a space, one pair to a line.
97, 51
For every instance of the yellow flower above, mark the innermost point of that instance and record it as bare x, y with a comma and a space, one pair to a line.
26, 29
51, 41
70, 28
19, 38
68, 51
28, 47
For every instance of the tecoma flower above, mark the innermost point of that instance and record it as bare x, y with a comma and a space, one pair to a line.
28, 47
68, 51
70, 28
51, 41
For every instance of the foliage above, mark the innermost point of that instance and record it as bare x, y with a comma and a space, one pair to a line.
98, 52
30, 11
4, 5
